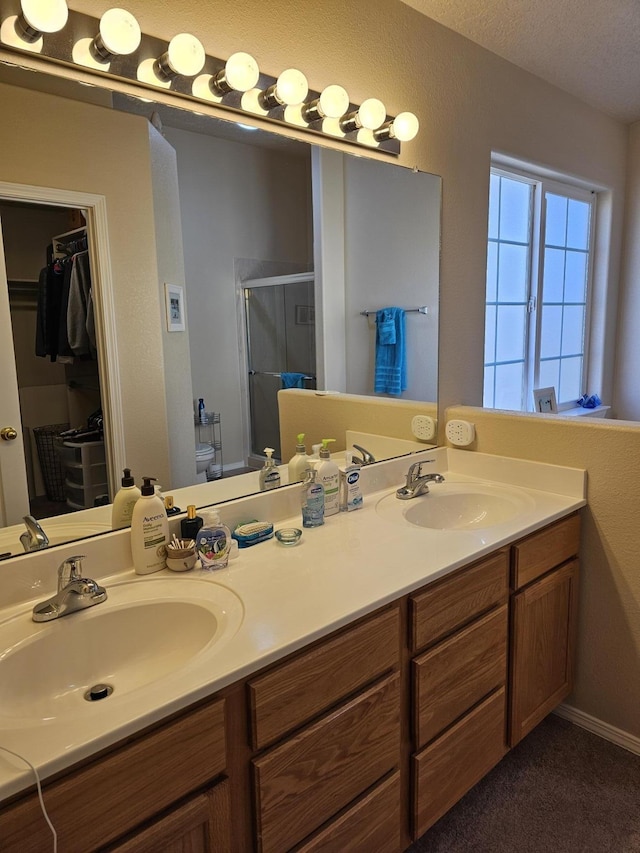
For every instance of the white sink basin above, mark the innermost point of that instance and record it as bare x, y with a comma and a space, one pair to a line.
458, 506
146, 631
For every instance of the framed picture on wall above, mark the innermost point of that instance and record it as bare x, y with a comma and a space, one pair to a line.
544, 400
174, 300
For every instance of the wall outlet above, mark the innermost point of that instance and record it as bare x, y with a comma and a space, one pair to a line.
460, 433
423, 427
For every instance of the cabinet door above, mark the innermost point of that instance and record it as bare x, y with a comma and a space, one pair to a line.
200, 826
543, 634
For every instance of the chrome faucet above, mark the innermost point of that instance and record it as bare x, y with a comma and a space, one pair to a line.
417, 483
367, 458
34, 538
74, 593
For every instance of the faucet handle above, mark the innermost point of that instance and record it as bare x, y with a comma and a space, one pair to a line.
70, 570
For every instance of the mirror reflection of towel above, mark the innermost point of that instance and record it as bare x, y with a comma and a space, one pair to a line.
391, 362
292, 380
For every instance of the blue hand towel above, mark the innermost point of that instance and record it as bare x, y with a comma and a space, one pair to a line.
292, 380
391, 362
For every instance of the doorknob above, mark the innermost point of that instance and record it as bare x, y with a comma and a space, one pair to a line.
8, 433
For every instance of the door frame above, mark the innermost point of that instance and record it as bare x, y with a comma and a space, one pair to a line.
104, 306
251, 460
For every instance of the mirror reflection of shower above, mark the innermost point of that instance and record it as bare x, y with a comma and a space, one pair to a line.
281, 351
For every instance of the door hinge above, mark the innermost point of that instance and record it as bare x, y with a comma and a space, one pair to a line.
531, 305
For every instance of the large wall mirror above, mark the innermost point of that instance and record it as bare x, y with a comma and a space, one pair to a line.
227, 262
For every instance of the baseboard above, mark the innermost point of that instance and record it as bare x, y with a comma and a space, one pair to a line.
598, 727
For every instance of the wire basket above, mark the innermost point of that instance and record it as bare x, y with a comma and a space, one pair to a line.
50, 464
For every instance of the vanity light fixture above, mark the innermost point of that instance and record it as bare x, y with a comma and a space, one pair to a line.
36, 18
403, 127
290, 89
115, 44
332, 103
119, 35
369, 115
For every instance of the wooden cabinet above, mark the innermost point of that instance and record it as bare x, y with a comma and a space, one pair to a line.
543, 624
459, 685
357, 742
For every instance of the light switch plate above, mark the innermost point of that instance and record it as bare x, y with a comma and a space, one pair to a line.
423, 427
460, 433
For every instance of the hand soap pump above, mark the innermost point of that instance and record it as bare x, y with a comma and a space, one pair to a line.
329, 476
213, 541
299, 462
149, 531
269, 475
312, 500
124, 501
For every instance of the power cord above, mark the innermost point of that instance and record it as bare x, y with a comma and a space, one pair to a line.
40, 797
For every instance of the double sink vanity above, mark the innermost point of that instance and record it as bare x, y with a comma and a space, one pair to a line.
341, 694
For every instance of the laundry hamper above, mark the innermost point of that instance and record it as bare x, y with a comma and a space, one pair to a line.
50, 464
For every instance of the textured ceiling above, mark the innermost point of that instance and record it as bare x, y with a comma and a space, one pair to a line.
590, 48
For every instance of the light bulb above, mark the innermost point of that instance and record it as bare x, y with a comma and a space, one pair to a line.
239, 74
41, 16
332, 103
371, 113
185, 56
119, 35
290, 89
403, 127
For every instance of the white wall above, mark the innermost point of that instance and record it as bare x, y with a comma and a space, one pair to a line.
237, 202
392, 252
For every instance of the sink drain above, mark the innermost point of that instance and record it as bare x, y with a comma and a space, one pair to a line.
98, 691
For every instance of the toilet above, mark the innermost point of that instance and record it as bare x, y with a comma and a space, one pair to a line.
205, 456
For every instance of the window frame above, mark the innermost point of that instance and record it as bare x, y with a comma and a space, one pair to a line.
542, 184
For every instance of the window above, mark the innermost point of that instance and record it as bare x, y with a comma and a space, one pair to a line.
537, 297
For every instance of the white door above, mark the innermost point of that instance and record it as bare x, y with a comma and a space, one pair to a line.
14, 494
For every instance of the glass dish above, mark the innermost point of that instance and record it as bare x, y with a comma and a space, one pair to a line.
288, 536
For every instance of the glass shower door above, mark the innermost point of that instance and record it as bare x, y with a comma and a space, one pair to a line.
280, 323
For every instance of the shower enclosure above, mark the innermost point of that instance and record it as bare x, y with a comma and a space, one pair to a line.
281, 350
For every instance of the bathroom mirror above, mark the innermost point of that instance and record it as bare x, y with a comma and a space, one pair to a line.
159, 170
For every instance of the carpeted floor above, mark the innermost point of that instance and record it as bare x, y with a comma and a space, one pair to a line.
561, 790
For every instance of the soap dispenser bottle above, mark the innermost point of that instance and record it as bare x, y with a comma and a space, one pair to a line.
213, 541
124, 501
312, 500
269, 477
299, 462
329, 476
149, 531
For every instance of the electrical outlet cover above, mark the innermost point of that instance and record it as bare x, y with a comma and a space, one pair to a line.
460, 433
423, 427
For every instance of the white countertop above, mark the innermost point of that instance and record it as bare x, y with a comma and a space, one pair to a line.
353, 564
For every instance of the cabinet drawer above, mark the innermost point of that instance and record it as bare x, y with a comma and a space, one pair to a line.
125, 788
293, 693
309, 778
452, 602
373, 823
453, 676
453, 764
542, 551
